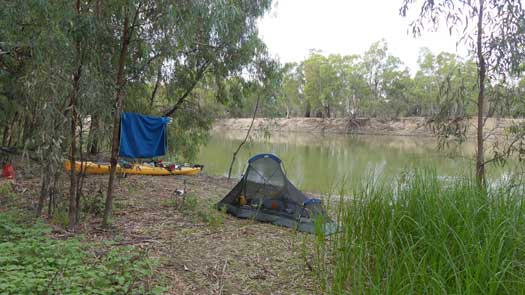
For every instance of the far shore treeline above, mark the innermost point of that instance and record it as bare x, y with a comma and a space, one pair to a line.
378, 84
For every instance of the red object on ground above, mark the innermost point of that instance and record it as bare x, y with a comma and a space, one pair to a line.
8, 171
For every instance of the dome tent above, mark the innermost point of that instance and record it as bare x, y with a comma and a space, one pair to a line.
264, 193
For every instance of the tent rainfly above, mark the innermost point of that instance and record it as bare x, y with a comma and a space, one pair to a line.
264, 193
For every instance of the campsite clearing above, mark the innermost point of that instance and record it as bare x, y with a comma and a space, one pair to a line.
201, 250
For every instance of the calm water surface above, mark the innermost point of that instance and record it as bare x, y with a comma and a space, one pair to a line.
317, 163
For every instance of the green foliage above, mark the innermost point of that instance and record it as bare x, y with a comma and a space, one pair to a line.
190, 203
60, 218
93, 204
425, 235
7, 195
188, 131
493, 31
377, 84
211, 215
63, 62
33, 263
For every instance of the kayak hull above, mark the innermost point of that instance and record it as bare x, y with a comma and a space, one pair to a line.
137, 169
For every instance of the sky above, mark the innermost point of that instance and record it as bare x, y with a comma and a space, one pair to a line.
293, 27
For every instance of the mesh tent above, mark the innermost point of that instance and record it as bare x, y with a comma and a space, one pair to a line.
264, 193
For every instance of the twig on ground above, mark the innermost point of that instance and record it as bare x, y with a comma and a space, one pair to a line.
221, 282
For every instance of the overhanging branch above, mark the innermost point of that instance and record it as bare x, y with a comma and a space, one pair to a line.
198, 77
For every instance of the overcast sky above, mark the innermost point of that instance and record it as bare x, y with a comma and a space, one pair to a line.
293, 27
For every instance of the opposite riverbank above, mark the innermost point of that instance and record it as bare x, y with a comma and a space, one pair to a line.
410, 126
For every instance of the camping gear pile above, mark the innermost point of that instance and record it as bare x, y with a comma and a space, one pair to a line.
8, 171
264, 193
134, 169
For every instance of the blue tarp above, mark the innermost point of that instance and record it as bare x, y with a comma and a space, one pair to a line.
142, 136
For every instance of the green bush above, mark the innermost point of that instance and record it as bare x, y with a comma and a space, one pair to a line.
6, 193
425, 236
94, 204
33, 263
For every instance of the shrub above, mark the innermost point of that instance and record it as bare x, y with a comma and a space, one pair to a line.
33, 263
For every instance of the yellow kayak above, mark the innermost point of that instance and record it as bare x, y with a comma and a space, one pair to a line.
136, 169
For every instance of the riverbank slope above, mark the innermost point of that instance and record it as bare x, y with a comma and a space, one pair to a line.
409, 126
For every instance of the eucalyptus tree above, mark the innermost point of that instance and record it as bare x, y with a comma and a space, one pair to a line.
425, 84
350, 84
374, 60
190, 38
63, 63
43, 66
133, 35
382, 72
388, 82
292, 97
494, 31
396, 85
445, 85
319, 86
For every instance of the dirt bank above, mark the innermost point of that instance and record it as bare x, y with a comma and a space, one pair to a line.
412, 126
201, 250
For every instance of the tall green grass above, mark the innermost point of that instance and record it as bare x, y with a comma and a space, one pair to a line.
425, 236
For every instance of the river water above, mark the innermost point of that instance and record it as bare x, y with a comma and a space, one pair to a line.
320, 163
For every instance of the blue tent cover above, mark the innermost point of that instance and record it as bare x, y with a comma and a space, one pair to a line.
259, 156
143, 136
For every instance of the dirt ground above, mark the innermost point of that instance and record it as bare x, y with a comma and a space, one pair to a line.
201, 250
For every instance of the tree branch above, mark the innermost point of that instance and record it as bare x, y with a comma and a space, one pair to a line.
245, 138
200, 74
156, 88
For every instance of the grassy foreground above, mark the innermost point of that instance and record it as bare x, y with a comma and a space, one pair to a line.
426, 236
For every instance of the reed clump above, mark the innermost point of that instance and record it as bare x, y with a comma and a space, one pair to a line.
423, 235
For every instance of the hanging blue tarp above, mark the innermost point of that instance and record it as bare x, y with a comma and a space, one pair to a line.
142, 136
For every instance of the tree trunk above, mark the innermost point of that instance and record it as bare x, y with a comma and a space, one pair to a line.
52, 192
116, 120
4, 135
73, 150
80, 176
308, 111
43, 191
480, 161
198, 76
156, 88
73, 105
12, 130
92, 136
27, 129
